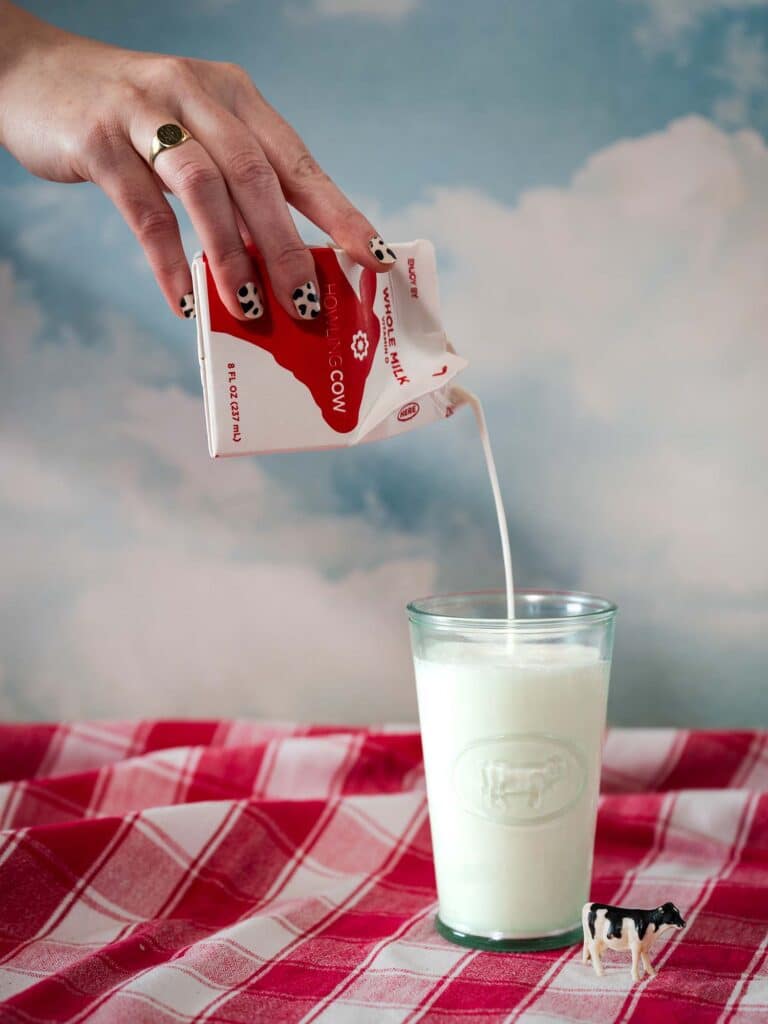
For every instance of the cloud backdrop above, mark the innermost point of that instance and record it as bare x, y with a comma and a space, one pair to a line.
612, 304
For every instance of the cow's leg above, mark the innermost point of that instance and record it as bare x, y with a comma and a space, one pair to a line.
585, 951
647, 963
635, 947
594, 952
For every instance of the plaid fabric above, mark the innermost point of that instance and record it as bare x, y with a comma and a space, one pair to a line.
228, 871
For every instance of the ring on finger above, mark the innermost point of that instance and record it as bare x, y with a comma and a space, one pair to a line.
167, 136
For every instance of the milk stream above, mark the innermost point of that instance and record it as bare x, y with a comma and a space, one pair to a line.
462, 395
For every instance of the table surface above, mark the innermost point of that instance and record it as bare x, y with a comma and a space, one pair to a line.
237, 871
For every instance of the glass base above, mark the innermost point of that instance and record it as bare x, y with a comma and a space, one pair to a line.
556, 940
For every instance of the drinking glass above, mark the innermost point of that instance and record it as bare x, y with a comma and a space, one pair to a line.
512, 716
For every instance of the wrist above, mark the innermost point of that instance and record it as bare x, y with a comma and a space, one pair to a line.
23, 37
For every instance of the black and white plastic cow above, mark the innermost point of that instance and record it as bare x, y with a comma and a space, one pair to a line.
607, 927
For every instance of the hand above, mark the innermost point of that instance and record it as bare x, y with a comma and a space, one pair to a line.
73, 109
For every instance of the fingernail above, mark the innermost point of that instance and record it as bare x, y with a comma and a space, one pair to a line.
381, 250
306, 300
249, 298
187, 305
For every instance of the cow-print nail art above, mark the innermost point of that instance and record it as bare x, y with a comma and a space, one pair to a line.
187, 305
306, 301
250, 301
381, 250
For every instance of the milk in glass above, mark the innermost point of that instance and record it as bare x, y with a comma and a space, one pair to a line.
512, 738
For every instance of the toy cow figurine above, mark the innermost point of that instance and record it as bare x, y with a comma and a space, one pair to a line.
607, 927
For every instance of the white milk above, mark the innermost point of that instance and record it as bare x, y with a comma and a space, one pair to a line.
462, 395
512, 738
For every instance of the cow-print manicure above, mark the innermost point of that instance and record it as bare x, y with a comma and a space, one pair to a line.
250, 301
187, 305
381, 250
306, 301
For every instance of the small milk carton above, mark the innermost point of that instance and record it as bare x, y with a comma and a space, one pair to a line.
376, 361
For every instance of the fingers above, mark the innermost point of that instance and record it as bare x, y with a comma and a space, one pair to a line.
190, 173
256, 191
307, 187
233, 183
130, 185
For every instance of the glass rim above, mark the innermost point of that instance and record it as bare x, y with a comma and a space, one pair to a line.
603, 610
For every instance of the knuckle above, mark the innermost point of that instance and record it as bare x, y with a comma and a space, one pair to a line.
248, 169
181, 72
244, 93
130, 95
171, 262
167, 263
153, 224
228, 256
170, 69
99, 144
350, 222
305, 169
195, 176
290, 255
234, 71
235, 84
165, 77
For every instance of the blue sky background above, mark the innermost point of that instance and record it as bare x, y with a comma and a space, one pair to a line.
596, 180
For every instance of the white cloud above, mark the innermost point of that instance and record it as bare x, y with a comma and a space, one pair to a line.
194, 634
57, 214
375, 10
730, 111
140, 577
745, 62
744, 70
668, 23
633, 305
672, 25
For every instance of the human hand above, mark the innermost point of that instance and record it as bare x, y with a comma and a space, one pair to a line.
73, 109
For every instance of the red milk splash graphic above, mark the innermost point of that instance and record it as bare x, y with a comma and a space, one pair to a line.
319, 353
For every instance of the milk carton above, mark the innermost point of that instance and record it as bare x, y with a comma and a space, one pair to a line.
375, 363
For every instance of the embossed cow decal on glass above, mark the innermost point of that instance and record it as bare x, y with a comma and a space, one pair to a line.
504, 782
520, 779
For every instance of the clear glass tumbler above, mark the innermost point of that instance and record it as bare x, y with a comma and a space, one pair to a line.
512, 715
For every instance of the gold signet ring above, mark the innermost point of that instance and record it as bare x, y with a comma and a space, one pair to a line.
167, 136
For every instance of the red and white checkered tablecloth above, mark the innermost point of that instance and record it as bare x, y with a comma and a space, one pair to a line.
232, 871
